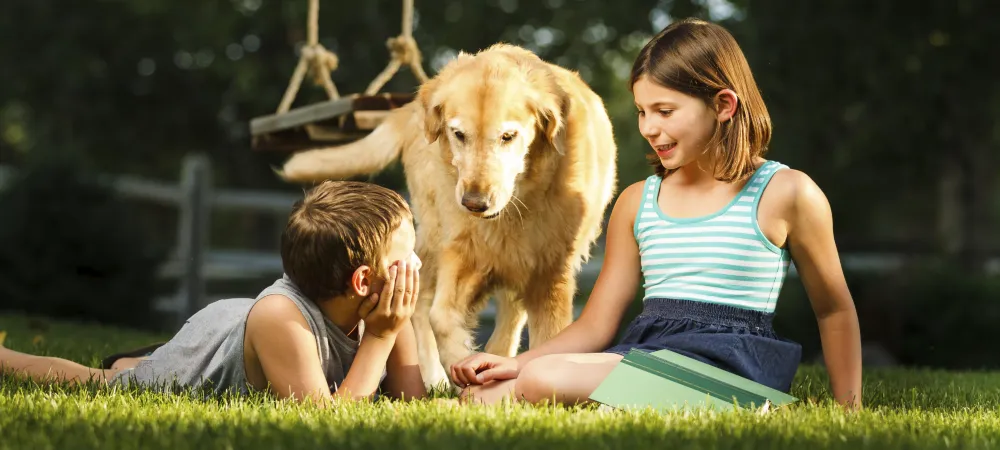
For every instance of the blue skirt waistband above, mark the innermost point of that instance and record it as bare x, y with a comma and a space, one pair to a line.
707, 313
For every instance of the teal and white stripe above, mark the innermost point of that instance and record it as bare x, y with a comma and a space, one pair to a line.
720, 258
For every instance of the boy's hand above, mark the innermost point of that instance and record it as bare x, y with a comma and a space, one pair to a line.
389, 310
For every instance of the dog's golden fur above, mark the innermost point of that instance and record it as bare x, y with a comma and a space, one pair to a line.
510, 164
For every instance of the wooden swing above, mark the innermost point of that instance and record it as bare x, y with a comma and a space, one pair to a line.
339, 119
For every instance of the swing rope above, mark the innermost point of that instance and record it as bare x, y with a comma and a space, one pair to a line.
314, 57
404, 50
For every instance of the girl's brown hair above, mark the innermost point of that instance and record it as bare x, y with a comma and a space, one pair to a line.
699, 58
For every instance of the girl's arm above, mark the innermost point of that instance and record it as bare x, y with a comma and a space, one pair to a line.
812, 247
598, 323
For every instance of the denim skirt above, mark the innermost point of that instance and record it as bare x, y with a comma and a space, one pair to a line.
738, 340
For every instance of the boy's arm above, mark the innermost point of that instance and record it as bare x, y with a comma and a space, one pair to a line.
286, 349
386, 315
403, 380
363, 377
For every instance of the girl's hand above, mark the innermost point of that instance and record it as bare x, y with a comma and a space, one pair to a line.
480, 368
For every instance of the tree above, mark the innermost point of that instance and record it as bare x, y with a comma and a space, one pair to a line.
889, 106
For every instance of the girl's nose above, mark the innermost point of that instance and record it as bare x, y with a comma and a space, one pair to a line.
647, 129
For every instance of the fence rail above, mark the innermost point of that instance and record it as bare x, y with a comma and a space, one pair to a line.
193, 262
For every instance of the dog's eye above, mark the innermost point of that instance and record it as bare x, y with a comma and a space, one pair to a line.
508, 136
460, 136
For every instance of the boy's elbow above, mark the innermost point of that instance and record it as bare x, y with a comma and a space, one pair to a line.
414, 389
407, 384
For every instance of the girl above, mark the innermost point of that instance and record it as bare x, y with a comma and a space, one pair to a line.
709, 235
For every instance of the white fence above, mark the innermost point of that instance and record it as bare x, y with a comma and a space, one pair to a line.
193, 262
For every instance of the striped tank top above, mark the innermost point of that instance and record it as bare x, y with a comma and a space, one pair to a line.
720, 258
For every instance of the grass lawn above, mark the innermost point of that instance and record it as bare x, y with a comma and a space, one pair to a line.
904, 409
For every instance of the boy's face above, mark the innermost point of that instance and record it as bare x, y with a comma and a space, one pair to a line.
401, 246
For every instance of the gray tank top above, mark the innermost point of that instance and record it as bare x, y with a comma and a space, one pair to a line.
207, 352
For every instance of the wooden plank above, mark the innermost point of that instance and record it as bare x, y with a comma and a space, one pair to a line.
278, 203
328, 123
368, 120
382, 102
304, 138
128, 186
301, 116
331, 109
151, 191
322, 134
228, 265
192, 233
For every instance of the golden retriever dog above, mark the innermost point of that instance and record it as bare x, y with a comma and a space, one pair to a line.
510, 165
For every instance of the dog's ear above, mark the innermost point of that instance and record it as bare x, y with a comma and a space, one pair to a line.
431, 105
553, 112
432, 123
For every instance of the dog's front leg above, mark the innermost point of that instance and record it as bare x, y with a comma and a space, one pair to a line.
510, 319
434, 375
549, 302
458, 286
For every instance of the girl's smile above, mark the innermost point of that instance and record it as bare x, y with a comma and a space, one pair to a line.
664, 151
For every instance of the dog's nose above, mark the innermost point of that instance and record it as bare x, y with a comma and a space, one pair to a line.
475, 202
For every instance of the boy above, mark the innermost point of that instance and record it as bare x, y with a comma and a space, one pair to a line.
329, 327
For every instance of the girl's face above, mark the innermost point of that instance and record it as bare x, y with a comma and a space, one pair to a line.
676, 125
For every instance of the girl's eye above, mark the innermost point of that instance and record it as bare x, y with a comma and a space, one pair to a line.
665, 112
639, 113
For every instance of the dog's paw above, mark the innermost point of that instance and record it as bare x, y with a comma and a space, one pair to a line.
435, 378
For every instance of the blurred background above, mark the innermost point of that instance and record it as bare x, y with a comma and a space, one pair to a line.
130, 195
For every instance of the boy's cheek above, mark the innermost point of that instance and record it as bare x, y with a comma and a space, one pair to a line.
376, 287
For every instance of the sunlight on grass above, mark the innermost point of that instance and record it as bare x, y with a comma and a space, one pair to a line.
904, 408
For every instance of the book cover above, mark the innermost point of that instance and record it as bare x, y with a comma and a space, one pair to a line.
668, 381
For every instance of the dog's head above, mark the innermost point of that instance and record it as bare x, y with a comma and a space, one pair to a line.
494, 112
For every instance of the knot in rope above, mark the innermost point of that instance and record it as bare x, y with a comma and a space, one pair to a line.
404, 49
322, 60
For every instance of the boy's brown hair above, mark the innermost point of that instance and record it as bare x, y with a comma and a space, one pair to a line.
699, 58
335, 228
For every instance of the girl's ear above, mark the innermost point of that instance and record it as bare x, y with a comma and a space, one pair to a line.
361, 281
726, 103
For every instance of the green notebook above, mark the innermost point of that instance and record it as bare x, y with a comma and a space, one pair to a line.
668, 381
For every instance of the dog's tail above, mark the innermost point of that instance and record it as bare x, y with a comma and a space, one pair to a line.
367, 155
